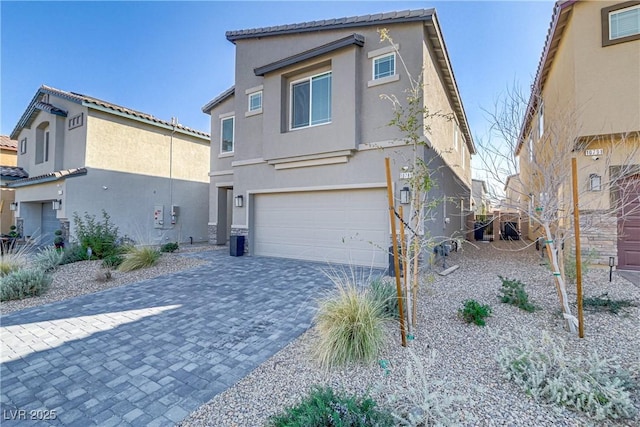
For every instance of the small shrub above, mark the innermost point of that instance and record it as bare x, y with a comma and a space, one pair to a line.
324, 407
169, 247
595, 386
100, 236
140, 258
350, 326
103, 275
112, 261
571, 267
513, 293
604, 303
48, 259
387, 294
73, 253
474, 312
24, 283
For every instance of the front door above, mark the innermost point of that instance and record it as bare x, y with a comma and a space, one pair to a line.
629, 225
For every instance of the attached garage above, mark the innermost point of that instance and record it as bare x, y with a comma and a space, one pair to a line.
341, 226
49, 224
629, 225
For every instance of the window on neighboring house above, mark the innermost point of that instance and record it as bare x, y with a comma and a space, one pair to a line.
530, 148
456, 135
463, 156
384, 66
595, 182
311, 101
621, 23
541, 119
255, 101
23, 146
227, 131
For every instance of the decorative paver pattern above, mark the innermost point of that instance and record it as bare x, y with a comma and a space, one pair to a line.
151, 352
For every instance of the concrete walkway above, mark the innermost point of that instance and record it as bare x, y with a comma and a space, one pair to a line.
151, 352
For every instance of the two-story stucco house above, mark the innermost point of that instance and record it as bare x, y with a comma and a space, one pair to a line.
83, 154
299, 142
587, 93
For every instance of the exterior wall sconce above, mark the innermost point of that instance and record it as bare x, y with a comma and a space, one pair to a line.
56, 204
13, 206
612, 261
405, 195
239, 201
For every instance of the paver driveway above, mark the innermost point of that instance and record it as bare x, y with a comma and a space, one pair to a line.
151, 352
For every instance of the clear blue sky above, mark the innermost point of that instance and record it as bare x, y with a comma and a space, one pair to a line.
170, 58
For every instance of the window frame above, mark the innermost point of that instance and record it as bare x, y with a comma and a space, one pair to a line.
233, 134
46, 145
310, 79
378, 58
541, 119
23, 146
606, 13
595, 182
250, 98
456, 135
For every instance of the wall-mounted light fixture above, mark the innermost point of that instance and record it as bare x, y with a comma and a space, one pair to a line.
239, 201
405, 195
56, 204
13, 206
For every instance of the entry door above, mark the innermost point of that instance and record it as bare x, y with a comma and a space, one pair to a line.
629, 225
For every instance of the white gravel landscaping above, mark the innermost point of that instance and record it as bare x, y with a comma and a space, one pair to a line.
464, 366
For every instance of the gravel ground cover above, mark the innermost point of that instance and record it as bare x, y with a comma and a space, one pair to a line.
79, 278
463, 365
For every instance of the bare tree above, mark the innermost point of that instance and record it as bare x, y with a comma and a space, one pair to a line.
537, 156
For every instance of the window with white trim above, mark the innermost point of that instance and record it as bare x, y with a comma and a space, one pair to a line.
456, 135
541, 119
23, 146
463, 154
384, 66
311, 101
227, 134
624, 22
255, 101
46, 145
531, 148
595, 182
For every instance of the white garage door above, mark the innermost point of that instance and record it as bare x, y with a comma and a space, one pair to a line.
346, 226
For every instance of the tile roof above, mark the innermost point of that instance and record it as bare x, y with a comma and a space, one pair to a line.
7, 143
332, 24
48, 177
91, 102
13, 172
219, 99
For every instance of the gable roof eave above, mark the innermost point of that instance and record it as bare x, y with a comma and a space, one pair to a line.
218, 100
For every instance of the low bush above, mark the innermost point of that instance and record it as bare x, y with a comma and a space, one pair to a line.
100, 236
169, 247
598, 387
324, 407
474, 312
350, 325
604, 303
571, 266
387, 294
73, 253
23, 283
139, 258
112, 261
513, 293
48, 258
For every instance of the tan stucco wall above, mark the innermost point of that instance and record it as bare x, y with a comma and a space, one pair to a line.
8, 157
125, 145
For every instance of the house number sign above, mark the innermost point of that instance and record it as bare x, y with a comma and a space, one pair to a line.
596, 152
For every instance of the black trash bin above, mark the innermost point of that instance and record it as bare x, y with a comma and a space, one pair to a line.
478, 230
236, 246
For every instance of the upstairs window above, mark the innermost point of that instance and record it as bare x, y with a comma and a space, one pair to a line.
311, 101
456, 135
531, 147
384, 66
595, 182
23, 146
621, 23
541, 120
227, 134
255, 101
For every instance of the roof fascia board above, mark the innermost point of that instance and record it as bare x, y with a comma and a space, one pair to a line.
218, 100
142, 120
353, 39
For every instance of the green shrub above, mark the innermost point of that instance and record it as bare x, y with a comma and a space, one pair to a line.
513, 293
350, 326
100, 236
474, 312
112, 261
169, 247
140, 258
571, 267
48, 258
24, 283
604, 303
595, 386
73, 253
324, 407
387, 294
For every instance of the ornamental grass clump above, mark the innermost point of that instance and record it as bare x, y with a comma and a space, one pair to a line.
323, 407
387, 294
137, 258
350, 324
599, 387
48, 258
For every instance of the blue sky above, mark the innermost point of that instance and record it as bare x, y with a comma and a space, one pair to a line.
168, 59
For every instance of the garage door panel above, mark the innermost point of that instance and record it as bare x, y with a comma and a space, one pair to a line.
326, 226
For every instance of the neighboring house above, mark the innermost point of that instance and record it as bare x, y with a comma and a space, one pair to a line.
480, 202
83, 154
8, 172
298, 144
587, 92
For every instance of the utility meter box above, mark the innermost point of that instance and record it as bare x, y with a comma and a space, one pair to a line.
158, 216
